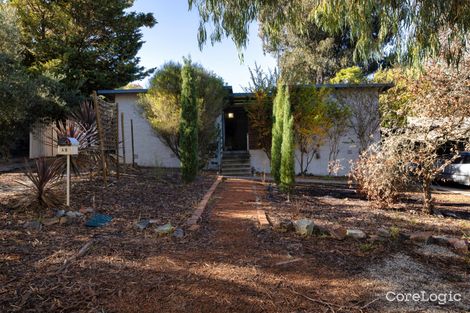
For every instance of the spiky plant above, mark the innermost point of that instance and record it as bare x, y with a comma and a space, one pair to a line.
44, 176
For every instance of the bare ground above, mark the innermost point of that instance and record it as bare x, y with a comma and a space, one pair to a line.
229, 264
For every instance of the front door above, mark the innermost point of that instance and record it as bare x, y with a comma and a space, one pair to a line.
236, 129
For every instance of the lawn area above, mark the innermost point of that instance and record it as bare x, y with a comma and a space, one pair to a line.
230, 264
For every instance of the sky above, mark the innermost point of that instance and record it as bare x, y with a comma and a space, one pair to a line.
175, 37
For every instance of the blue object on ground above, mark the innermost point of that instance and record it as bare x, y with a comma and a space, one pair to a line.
98, 220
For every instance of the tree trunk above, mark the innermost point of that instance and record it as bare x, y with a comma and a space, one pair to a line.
427, 197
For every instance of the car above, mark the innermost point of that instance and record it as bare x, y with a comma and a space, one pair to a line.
459, 170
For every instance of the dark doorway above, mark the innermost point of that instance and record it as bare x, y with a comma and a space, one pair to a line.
236, 128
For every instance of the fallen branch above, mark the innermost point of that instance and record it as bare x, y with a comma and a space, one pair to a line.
83, 250
327, 304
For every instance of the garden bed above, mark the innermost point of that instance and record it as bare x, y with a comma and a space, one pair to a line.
32, 271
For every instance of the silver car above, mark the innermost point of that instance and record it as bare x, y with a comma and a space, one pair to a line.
459, 170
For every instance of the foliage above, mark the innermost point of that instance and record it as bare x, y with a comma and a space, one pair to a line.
376, 174
263, 86
312, 55
44, 177
437, 125
311, 122
414, 28
287, 147
25, 97
188, 125
90, 44
277, 131
162, 106
349, 75
393, 102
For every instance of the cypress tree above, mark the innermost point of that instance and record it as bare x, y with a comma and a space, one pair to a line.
188, 141
287, 172
278, 120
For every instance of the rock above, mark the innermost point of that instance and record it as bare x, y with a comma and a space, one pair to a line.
164, 229
383, 232
356, 233
86, 210
64, 220
98, 220
155, 221
304, 227
178, 233
34, 225
375, 238
73, 214
143, 224
60, 213
337, 232
459, 245
440, 240
403, 236
422, 236
50, 221
286, 226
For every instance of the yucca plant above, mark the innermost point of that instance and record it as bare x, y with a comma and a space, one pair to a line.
44, 176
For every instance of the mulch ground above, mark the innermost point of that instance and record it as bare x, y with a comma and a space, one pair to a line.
229, 264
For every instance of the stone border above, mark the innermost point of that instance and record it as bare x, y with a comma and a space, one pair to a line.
262, 220
195, 217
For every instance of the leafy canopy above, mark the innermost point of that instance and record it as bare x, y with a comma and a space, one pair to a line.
91, 44
416, 29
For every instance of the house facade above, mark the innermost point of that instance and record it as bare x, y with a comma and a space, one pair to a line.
237, 152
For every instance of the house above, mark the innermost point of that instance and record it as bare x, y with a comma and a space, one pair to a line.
237, 153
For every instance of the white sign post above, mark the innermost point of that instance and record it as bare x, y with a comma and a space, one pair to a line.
70, 149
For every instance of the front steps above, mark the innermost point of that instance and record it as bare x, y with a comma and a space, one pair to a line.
236, 163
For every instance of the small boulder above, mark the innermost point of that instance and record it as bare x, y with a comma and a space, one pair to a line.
337, 232
50, 221
178, 233
441, 240
64, 220
356, 233
286, 225
86, 210
304, 227
423, 236
459, 245
34, 225
164, 229
383, 232
73, 214
60, 213
143, 224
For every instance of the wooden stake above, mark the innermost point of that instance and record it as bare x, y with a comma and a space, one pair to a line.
117, 140
122, 138
132, 142
101, 136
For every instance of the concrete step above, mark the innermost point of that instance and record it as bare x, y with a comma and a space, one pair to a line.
236, 173
246, 166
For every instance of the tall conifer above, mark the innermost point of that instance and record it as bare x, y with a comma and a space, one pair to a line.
278, 120
188, 125
287, 171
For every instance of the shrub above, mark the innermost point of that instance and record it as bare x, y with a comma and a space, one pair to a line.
377, 176
44, 177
